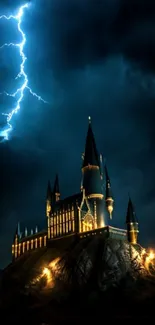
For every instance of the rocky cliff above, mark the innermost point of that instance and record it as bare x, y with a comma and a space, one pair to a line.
93, 278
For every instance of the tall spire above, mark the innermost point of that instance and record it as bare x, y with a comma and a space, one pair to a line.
91, 178
131, 216
91, 156
56, 190
108, 197
108, 183
132, 223
18, 229
17, 232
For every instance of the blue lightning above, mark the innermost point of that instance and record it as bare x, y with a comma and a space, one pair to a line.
22, 74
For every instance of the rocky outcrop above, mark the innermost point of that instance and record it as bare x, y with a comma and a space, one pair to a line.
103, 263
92, 273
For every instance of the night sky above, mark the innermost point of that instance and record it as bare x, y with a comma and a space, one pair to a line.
85, 57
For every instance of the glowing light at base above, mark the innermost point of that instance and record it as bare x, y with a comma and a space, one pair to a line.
46, 272
19, 93
49, 273
148, 259
53, 264
102, 224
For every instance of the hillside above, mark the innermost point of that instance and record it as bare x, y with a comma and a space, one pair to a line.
93, 279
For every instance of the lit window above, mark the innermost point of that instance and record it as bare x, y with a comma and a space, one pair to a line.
13, 251
44, 240
28, 245
23, 247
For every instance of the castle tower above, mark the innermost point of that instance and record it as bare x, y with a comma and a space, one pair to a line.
16, 241
132, 224
48, 206
108, 197
56, 192
92, 179
48, 199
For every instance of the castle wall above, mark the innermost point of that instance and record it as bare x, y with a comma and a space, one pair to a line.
28, 243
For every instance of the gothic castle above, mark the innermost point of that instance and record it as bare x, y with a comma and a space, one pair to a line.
83, 214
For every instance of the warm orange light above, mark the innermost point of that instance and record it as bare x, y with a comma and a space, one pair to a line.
149, 259
46, 272
151, 255
102, 224
53, 265
143, 252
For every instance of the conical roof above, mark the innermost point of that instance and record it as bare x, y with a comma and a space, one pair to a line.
91, 156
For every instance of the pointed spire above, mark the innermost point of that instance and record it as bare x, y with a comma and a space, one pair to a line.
17, 232
56, 190
49, 191
26, 233
132, 224
18, 229
108, 183
108, 196
131, 216
36, 229
91, 156
31, 231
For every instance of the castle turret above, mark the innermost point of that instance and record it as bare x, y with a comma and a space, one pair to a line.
48, 199
132, 224
108, 196
16, 242
91, 172
48, 206
56, 192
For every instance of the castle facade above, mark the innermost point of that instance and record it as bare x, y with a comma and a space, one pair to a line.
83, 214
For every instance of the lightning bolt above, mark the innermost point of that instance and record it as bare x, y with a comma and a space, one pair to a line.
19, 93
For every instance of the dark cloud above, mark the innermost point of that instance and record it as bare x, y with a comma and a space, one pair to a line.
86, 58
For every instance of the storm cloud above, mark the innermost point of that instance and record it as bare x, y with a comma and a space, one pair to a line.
85, 58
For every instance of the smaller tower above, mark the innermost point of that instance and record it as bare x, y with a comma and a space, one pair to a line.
108, 197
56, 191
92, 179
16, 241
132, 224
48, 199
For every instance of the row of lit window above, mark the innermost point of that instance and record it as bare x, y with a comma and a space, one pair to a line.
60, 218
20, 248
62, 228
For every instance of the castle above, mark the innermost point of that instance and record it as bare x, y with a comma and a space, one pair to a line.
83, 214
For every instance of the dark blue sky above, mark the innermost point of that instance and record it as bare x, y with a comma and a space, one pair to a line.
85, 57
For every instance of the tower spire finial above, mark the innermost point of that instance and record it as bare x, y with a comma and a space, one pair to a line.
89, 119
